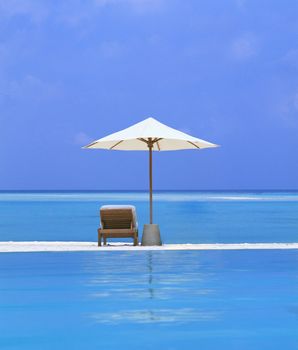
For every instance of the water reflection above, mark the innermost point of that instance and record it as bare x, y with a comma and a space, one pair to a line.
155, 316
146, 275
150, 276
146, 287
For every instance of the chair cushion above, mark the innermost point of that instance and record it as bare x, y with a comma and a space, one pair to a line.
130, 207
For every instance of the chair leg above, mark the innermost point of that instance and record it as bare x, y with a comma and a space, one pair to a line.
135, 240
99, 239
104, 240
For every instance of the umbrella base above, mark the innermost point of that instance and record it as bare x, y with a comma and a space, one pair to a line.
151, 235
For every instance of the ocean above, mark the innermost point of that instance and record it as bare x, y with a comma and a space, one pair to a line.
171, 300
184, 217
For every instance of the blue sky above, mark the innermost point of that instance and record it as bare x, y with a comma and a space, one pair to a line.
73, 71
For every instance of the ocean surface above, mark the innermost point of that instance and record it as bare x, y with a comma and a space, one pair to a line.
184, 217
171, 300
149, 300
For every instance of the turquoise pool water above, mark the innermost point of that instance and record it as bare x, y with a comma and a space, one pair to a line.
184, 217
149, 300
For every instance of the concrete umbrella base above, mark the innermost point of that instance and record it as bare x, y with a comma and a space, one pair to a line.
151, 235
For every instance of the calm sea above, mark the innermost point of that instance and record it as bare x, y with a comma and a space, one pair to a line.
171, 300
184, 217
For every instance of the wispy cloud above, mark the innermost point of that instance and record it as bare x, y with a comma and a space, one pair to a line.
112, 49
82, 139
291, 58
138, 6
35, 10
29, 88
244, 47
288, 110
241, 4
73, 12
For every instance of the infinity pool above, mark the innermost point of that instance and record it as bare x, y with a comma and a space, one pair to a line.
149, 300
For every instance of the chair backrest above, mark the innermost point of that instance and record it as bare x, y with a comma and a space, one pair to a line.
118, 217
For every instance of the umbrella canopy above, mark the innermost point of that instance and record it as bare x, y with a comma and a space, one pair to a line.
151, 135
137, 137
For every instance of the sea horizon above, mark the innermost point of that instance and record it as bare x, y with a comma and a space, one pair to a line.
184, 216
146, 190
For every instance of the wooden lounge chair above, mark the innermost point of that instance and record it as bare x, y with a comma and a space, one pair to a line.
117, 222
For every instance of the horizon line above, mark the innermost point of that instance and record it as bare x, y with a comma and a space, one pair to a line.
146, 190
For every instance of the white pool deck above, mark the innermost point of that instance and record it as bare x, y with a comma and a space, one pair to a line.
14, 247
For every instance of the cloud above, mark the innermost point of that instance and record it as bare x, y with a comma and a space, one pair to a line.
244, 47
137, 6
72, 12
112, 49
4, 54
75, 12
35, 10
82, 139
295, 101
29, 88
291, 58
241, 4
291, 103
288, 110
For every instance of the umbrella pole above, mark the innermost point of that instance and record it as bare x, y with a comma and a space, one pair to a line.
151, 234
150, 145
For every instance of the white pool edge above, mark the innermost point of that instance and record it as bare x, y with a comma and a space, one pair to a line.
43, 246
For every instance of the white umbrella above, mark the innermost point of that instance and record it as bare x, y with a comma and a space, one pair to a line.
151, 135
